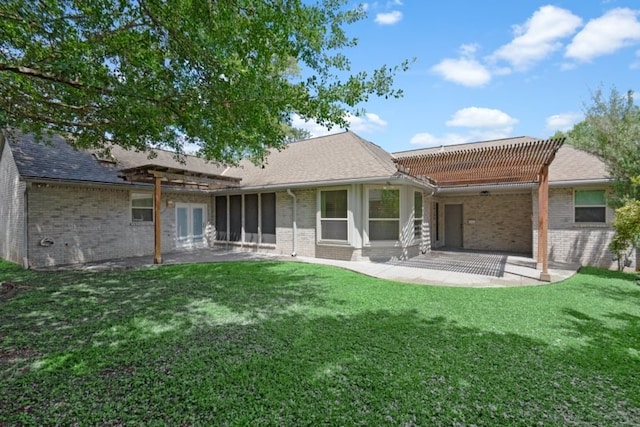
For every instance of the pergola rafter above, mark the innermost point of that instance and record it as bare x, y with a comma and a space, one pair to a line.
499, 164
512, 163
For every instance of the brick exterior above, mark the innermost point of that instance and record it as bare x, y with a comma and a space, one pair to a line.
496, 222
586, 244
12, 207
88, 224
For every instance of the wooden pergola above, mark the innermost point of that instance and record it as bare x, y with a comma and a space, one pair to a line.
158, 175
498, 164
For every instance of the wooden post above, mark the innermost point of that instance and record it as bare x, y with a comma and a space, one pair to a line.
543, 223
157, 200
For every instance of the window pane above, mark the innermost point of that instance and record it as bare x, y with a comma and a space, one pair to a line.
590, 198
182, 222
384, 203
251, 218
221, 218
333, 230
597, 214
142, 214
417, 229
384, 230
235, 218
417, 204
146, 202
268, 220
198, 222
333, 204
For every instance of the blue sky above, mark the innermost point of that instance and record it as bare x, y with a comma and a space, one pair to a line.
491, 69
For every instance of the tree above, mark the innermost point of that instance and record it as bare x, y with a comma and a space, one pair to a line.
296, 134
611, 131
216, 73
627, 226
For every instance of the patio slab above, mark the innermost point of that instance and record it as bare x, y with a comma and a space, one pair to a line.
449, 268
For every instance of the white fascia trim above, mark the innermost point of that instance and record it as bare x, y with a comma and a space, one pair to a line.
329, 183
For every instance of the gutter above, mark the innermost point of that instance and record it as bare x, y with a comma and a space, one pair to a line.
327, 183
519, 186
487, 187
578, 182
294, 225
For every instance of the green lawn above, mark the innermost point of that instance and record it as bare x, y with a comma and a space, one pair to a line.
277, 343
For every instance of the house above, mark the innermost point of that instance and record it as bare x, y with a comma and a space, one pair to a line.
337, 196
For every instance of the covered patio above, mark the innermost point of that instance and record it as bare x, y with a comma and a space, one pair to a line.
522, 165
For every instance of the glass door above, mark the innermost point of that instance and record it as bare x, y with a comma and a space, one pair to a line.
190, 224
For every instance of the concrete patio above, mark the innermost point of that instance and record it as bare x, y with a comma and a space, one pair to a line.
449, 268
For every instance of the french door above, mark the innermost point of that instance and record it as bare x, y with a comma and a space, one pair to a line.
191, 221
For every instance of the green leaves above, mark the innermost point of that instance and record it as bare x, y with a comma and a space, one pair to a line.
161, 73
611, 130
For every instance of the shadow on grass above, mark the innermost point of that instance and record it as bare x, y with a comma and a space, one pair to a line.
263, 344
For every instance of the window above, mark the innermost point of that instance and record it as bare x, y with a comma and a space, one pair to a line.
268, 220
141, 207
235, 218
590, 206
251, 218
221, 218
334, 215
417, 215
436, 214
384, 215
245, 212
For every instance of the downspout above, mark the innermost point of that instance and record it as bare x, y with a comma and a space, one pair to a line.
25, 234
295, 226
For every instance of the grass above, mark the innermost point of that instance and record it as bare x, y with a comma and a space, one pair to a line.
268, 343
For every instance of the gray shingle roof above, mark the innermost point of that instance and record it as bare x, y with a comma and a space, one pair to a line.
339, 157
332, 158
56, 159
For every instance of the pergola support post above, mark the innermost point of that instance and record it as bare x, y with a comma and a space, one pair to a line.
543, 223
157, 200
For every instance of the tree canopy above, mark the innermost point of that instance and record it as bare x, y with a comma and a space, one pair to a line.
215, 73
611, 131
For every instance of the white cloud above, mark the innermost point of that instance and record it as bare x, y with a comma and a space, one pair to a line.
368, 123
464, 71
604, 35
478, 117
427, 140
563, 122
389, 18
483, 124
538, 37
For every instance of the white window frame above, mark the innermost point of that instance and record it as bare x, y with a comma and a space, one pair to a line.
368, 240
575, 190
137, 196
417, 232
319, 218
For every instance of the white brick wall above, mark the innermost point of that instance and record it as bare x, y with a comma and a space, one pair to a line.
587, 244
11, 207
92, 223
497, 222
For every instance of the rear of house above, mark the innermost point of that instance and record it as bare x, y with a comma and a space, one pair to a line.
338, 197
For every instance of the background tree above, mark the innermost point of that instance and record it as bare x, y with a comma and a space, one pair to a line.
611, 131
215, 73
296, 134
